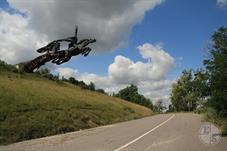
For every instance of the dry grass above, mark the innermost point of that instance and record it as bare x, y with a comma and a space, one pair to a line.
32, 107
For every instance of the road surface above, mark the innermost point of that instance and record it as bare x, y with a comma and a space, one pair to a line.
164, 132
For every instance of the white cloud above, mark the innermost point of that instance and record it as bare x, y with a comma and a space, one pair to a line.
149, 76
125, 71
17, 42
156, 90
221, 3
66, 72
109, 21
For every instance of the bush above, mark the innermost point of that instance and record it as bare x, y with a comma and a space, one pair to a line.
101, 91
200, 110
7, 67
212, 115
43, 72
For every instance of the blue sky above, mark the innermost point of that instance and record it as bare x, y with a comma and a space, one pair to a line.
182, 28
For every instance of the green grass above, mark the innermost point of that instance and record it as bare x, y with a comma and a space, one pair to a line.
33, 107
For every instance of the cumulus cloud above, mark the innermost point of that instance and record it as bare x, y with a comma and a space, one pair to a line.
149, 76
18, 42
109, 21
66, 72
156, 90
221, 3
124, 70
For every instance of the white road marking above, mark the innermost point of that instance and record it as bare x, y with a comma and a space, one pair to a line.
138, 138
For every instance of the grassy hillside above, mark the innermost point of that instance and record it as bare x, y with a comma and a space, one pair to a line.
32, 107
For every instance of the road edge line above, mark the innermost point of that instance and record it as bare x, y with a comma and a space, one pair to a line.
141, 136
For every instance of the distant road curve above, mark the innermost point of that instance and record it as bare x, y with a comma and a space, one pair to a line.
164, 132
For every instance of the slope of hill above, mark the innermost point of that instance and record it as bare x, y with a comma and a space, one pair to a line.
32, 107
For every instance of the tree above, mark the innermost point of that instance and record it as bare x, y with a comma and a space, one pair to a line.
182, 94
101, 91
72, 80
170, 108
130, 93
159, 106
200, 87
91, 86
190, 90
216, 67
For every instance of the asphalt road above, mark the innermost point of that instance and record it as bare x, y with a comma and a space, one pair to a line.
164, 132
